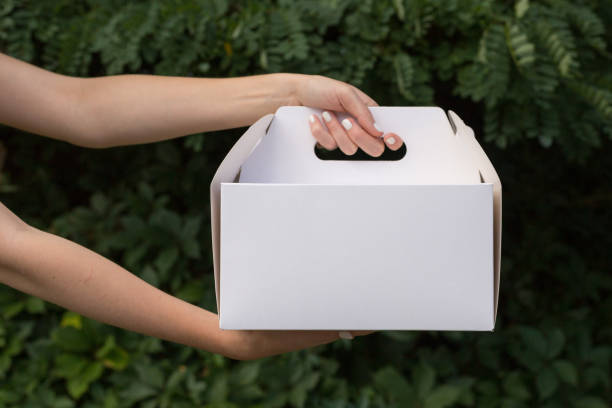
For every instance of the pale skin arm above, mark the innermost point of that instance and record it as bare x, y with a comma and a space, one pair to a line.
132, 109
74, 277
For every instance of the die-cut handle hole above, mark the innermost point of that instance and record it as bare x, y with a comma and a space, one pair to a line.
360, 155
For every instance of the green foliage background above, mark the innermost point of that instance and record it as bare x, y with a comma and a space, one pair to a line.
532, 78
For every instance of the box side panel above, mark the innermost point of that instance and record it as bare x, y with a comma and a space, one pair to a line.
487, 172
227, 172
356, 257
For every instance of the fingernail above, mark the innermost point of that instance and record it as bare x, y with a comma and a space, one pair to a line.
345, 335
347, 124
391, 140
377, 127
326, 116
311, 118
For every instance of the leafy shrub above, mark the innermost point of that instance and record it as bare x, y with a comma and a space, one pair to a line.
532, 78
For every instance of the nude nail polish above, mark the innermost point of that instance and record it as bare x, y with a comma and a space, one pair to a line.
326, 116
377, 127
391, 140
347, 124
311, 118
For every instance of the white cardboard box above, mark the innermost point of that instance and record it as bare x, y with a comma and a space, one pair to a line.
301, 243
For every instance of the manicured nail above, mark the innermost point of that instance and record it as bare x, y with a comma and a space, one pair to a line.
391, 140
311, 118
345, 335
347, 124
326, 116
377, 127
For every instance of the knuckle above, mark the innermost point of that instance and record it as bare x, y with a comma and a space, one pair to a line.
319, 133
357, 137
346, 91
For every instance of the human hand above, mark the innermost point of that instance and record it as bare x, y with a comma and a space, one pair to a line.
360, 130
254, 344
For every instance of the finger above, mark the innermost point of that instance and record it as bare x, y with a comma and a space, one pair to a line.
320, 133
364, 97
367, 143
393, 141
350, 335
352, 104
362, 332
339, 134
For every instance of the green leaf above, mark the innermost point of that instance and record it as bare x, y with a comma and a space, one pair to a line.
520, 8
547, 382
192, 292
168, 221
116, 359
34, 305
13, 309
534, 339
591, 402
515, 387
566, 371
150, 374
395, 386
166, 259
556, 341
399, 9
137, 391
71, 339
521, 49
404, 74
443, 396
191, 228
424, 378
246, 373
219, 389
112, 356
106, 348
69, 365
71, 319
99, 203
192, 249
78, 385
176, 378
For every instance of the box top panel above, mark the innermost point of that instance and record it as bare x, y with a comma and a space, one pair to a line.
434, 154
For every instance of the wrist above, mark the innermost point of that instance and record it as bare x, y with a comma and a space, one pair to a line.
290, 87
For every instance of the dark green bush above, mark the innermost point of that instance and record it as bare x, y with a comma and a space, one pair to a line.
532, 78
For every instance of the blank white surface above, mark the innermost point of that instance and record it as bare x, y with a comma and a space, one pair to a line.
380, 257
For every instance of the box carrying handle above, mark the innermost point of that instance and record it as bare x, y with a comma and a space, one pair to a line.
286, 154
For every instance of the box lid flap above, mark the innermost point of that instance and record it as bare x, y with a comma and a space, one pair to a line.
228, 172
286, 154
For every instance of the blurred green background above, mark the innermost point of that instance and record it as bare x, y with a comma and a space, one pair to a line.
534, 80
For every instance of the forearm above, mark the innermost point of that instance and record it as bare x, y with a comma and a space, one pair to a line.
70, 275
132, 109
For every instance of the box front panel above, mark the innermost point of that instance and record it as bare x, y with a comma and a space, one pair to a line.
310, 257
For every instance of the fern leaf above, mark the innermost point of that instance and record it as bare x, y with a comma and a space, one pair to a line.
559, 42
404, 73
599, 98
521, 49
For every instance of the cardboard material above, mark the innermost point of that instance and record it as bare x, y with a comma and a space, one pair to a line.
303, 243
